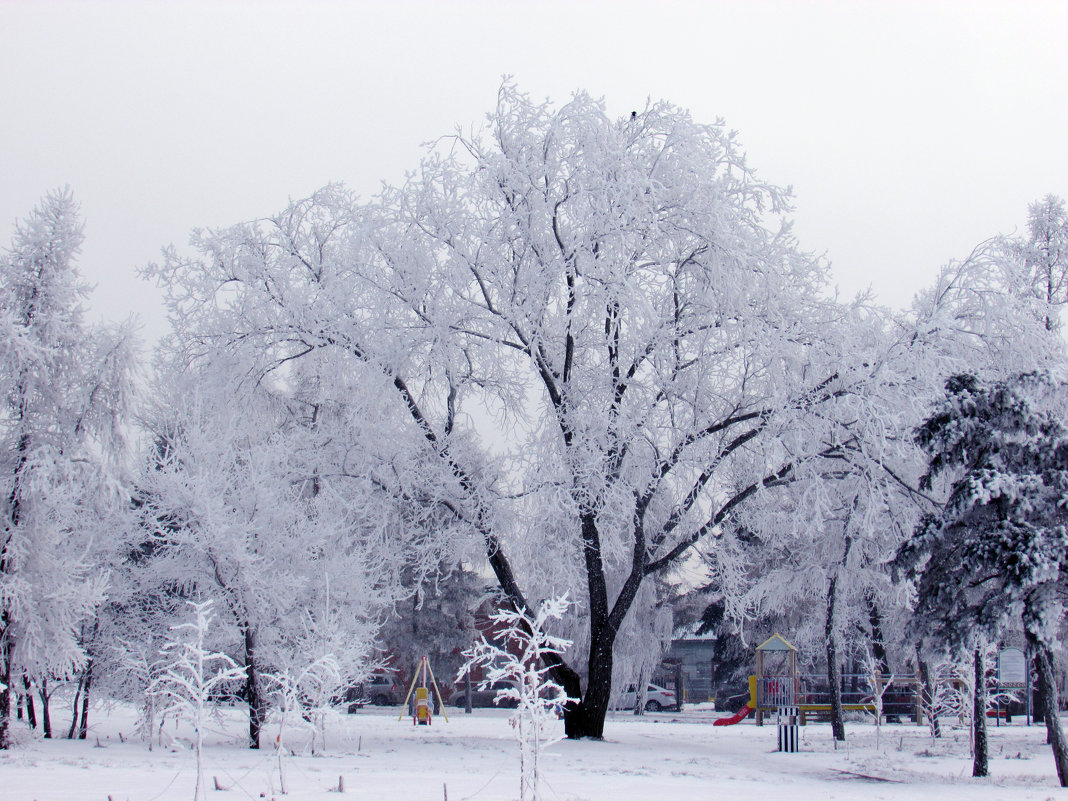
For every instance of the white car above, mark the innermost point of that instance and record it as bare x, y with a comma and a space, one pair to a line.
656, 698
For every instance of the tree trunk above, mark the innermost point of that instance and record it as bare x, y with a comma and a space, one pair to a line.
46, 715
575, 715
90, 645
7, 644
833, 675
641, 691
927, 690
980, 760
584, 715
587, 718
6, 649
1038, 701
834, 681
878, 643
83, 725
31, 713
574, 712
74, 716
1047, 680
257, 708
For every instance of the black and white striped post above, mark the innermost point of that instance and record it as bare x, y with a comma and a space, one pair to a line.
787, 720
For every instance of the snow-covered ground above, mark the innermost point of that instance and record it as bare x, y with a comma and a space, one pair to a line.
660, 757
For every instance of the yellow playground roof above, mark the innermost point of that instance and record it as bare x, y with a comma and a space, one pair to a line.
776, 642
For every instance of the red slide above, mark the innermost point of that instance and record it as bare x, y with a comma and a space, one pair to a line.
737, 717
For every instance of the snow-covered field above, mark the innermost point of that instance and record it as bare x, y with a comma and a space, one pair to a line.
659, 757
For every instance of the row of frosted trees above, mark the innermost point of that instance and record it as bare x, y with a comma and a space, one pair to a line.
580, 354
124, 502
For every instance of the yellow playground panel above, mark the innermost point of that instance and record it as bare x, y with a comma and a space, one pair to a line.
422, 706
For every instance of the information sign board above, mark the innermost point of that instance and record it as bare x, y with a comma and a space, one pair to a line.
1012, 668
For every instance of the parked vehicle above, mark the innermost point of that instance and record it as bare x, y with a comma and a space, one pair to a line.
656, 698
381, 689
480, 698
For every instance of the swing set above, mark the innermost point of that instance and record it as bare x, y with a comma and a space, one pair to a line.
421, 710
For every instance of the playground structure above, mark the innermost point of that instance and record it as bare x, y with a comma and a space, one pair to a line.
422, 713
778, 683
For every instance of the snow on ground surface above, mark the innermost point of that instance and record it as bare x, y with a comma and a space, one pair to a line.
660, 757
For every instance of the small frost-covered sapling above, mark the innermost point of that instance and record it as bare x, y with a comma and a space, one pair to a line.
301, 702
189, 678
515, 659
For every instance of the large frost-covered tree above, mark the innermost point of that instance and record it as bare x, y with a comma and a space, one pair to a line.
631, 286
816, 555
64, 389
615, 304
998, 549
239, 507
824, 544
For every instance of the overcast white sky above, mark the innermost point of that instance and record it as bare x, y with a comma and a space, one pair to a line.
910, 130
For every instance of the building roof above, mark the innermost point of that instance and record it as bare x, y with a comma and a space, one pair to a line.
689, 632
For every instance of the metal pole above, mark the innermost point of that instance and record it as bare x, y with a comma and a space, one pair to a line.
680, 686
1027, 680
467, 693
